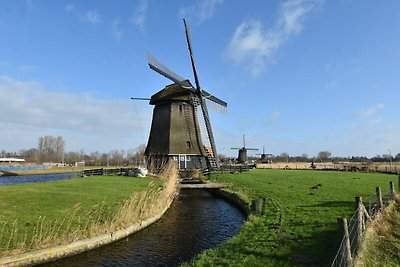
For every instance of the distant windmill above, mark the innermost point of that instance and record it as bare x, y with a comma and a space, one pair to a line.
242, 154
176, 129
264, 156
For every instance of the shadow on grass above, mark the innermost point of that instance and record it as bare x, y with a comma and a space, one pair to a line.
317, 250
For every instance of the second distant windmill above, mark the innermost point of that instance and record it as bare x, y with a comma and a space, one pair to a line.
265, 157
242, 152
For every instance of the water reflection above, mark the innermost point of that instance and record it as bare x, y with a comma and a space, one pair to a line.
196, 221
27, 179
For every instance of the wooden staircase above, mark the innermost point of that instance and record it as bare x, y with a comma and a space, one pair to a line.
211, 160
210, 153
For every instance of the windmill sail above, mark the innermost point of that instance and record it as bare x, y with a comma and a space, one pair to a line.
212, 98
212, 157
189, 43
160, 68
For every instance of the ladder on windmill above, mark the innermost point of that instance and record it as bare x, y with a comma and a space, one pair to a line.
205, 132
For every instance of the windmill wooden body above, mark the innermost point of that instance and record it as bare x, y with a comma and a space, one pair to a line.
242, 152
179, 112
265, 157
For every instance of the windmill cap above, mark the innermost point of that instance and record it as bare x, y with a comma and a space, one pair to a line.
172, 92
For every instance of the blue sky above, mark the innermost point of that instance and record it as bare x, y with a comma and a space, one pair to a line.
299, 76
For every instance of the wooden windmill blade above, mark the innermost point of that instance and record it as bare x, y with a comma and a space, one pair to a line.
263, 153
247, 148
201, 95
189, 43
210, 97
160, 68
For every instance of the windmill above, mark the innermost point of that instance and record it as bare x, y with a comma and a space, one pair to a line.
242, 154
264, 157
176, 130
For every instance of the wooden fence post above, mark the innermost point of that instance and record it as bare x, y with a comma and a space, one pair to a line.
256, 206
264, 205
359, 223
391, 186
398, 183
379, 197
345, 252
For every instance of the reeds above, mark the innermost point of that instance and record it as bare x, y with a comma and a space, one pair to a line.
78, 223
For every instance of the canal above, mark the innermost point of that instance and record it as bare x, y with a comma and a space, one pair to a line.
196, 221
34, 178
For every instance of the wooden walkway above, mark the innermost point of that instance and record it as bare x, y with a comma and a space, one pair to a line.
203, 186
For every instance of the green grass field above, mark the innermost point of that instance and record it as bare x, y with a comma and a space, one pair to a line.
32, 214
298, 226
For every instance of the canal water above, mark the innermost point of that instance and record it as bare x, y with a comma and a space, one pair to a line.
195, 222
27, 179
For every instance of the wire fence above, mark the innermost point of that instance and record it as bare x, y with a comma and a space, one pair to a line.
352, 230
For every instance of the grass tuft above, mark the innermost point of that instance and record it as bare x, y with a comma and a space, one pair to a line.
381, 245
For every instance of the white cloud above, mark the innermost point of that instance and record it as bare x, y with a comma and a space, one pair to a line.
207, 9
26, 68
70, 8
116, 30
91, 16
274, 116
254, 46
202, 11
79, 116
140, 14
370, 111
251, 47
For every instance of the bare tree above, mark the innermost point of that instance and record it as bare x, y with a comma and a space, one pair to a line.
95, 158
30, 155
104, 159
50, 148
139, 155
324, 156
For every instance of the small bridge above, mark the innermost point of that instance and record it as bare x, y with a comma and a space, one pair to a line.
203, 186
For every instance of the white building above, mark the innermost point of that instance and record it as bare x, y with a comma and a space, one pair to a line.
11, 160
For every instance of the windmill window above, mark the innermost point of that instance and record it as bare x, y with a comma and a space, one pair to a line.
188, 144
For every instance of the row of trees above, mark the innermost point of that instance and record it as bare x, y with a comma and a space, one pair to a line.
52, 149
323, 156
112, 158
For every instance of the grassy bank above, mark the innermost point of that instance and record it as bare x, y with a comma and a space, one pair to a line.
382, 242
298, 226
39, 215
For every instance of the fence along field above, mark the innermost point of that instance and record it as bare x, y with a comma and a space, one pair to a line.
352, 231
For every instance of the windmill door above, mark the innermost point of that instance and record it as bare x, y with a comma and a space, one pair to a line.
182, 161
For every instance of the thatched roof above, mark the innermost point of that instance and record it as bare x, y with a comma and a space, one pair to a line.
171, 92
